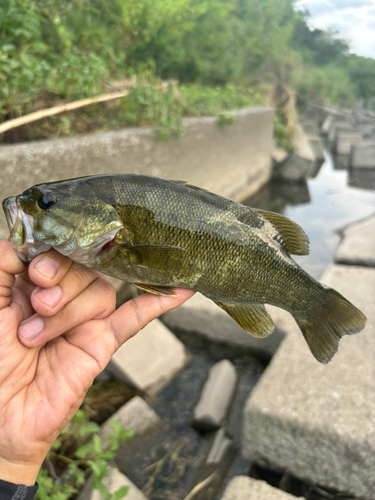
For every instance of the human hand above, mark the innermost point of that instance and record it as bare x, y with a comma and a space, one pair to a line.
58, 330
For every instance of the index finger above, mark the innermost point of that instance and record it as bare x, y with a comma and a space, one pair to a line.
47, 269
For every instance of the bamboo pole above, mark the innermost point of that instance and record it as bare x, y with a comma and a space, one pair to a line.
43, 113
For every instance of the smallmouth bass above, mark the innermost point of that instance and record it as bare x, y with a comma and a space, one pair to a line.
159, 234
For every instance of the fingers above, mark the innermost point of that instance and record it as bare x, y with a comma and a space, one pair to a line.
137, 313
10, 265
96, 301
48, 301
101, 338
48, 269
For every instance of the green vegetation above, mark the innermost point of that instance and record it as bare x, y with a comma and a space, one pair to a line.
79, 451
188, 57
89, 455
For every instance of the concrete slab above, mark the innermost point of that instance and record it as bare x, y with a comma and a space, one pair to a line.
279, 155
339, 126
327, 123
136, 415
216, 396
317, 148
363, 155
201, 317
296, 167
358, 244
148, 360
318, 421
113, 481
246, 488
346, 140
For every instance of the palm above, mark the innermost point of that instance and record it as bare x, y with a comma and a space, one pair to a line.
42, 387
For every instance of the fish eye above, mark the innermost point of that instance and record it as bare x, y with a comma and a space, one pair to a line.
46, 201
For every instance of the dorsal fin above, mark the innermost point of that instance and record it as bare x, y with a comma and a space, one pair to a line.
295, 239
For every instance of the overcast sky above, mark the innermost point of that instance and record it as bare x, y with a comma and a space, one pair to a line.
355, 19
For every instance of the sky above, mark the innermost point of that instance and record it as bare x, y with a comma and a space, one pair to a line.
355, 19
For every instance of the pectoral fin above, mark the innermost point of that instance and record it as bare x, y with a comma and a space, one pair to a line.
156, 290
253, 318
154, 256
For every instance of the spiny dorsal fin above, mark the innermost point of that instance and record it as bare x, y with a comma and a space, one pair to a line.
295, 239
253, 318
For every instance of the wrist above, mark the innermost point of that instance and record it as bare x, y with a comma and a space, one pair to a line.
19, 473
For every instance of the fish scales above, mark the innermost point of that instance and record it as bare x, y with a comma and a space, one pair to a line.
160, 234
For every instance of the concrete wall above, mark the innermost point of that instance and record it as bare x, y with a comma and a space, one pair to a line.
234, 160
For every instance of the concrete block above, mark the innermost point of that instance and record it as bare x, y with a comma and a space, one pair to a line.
366, 130
296, 167
201, 317
317, 421
234, 161
317, 148
113, 481
220, 446
148, 360
216, 396
345, 141
136, 415
358, 244
337, 127
363, 178
247, 488
327, 123
363, 155
279, 155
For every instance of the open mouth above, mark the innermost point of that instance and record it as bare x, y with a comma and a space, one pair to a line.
21, 227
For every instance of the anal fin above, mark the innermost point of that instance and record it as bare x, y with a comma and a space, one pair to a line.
253, 318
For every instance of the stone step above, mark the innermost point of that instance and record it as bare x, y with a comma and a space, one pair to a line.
363, 155
216, 396
314, 420
358, 244
201, 317
346, 140
113, 481
136, 415
149, 359
246, 488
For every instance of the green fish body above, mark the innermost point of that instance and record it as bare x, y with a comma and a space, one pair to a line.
160, 234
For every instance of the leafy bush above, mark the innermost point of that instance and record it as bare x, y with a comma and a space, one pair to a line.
87, 455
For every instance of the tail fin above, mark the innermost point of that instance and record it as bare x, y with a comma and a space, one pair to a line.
337, 318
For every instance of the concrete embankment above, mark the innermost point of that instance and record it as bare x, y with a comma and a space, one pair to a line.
232, 160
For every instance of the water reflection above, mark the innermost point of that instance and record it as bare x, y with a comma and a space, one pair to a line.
276, 195
322, 206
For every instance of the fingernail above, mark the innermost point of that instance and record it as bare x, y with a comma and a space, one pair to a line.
50, 296
31, 328
47, 267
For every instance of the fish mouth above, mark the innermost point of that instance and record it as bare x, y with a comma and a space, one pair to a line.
21, 228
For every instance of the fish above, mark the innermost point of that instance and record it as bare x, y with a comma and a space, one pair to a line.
161, 234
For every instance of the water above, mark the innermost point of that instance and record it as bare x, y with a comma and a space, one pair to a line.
322, 207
